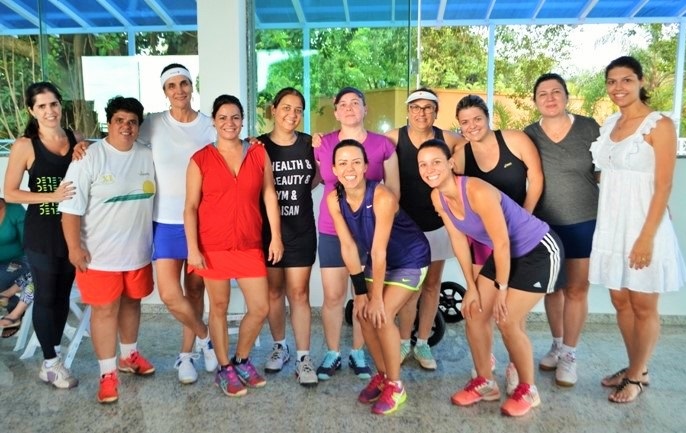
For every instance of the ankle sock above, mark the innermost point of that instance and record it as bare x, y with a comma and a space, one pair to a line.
49, 363
557, 341
203, 342
302, 353
564, 349
107, 365
405, 341
281, 342
421, 342
126, 349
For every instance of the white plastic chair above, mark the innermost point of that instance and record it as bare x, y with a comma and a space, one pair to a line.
74, 334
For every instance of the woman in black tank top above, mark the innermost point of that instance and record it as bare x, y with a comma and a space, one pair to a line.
44, 151
506, 159
415, 200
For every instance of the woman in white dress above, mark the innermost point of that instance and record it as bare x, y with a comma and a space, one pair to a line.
635, 251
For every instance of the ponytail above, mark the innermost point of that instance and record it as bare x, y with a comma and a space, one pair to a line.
31, 129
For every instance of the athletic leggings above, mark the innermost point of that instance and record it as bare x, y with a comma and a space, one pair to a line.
52, 279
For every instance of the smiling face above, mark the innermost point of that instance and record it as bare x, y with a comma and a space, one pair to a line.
178, 89
421, 114
434, 166
47, 110
550, 98
623, 86
350, 110
122, 130
228, 122
473, 123
288, 114
349, 166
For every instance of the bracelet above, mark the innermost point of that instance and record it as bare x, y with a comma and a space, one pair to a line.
359, 284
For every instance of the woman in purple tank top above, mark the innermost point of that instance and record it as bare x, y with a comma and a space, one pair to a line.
526, 256
367, 217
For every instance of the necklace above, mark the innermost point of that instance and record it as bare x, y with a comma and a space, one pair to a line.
623, 123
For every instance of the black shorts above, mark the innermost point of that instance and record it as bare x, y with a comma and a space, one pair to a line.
298, 253
535, 271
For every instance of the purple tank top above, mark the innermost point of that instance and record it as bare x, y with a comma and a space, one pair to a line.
378, 148
525, 230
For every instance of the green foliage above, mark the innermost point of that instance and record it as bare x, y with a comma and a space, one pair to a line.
454, 57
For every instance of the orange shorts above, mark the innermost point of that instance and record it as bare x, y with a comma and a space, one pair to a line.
105, 287
223, 265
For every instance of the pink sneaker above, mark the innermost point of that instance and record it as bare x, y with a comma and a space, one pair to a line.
524, 398
373, 390
476, 390
248, 374
227, 380
391, 398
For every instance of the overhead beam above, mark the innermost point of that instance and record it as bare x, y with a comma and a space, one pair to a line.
491, 6
346, 10
587, 9
116, 13
23, 12
73, 14
299, 12
538, 8
162, 12
637, 8
441, 11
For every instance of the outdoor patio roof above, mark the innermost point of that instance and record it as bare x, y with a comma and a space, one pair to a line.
20, 17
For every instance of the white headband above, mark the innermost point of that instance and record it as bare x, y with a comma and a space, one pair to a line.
174, 72
421, 94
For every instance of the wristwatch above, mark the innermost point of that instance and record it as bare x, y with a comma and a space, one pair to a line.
499, 286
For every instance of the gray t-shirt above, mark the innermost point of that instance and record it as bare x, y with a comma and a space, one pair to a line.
570, 191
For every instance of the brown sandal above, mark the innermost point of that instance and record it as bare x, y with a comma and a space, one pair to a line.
615, 379
14, 323
625, 383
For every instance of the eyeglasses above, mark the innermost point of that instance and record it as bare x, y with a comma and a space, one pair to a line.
427, 109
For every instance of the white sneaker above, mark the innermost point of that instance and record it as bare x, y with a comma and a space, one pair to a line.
492, 367
305, 373
279, 356
550, 359
565, 375
58, 375
511, 379
185, 364
208, 355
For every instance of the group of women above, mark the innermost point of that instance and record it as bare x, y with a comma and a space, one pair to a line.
521, 211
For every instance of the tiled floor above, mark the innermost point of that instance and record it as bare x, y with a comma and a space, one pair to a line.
160, 404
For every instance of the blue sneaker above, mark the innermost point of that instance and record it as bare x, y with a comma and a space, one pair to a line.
331, 363
358, 362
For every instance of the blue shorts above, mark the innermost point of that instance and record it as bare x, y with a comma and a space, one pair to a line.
576, 239
329, 252
168, 241
410, 279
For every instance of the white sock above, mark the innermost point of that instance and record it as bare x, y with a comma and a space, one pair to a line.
421, 342
127, 349
107, 365
49, 363
301, 353
568, 349
202, 342
557, 342
404, 341
281, 342
58, 350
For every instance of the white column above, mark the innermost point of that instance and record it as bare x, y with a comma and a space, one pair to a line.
222, 51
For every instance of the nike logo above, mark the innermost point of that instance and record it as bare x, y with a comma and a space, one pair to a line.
537, 285
405, 280
507, 165
369, 206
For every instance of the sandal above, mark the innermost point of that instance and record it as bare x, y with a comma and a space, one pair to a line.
622, 386
8, 332
615, 379
14, 323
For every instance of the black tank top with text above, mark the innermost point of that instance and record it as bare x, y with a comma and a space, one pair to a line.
415, 194
508, 175
43, 226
